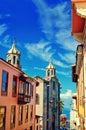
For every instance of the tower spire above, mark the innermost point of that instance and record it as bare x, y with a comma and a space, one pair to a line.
51, 60
50, 69
13, 55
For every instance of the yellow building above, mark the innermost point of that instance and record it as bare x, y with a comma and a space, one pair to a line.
79, 70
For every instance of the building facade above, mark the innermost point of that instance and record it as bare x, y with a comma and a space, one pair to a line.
73, 113
79, 70
48, 109
17, 94
40, 92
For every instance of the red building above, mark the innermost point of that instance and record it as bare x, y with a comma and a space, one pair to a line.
17, 94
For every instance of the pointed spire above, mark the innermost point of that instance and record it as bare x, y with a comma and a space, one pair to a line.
50, 66
50, 69
13, 55
13, 49
51, 60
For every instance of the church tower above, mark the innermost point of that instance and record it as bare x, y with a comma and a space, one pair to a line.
50, 70
13, 56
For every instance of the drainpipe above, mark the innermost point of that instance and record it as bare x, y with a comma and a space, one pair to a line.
85, 87
84, 58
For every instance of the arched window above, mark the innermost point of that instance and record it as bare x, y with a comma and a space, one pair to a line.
51, 72
37, 98
14, 59
48, 73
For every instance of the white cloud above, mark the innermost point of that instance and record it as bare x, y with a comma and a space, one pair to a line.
52, 18
59, 63
55, 22
63, 73
67, 42
44, 51
3, 29
37, 68
67, 94
5, 42
6, 39
68, 57
66, 98
41, 49
4, 16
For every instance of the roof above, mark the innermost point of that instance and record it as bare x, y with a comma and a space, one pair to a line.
22, 73
13, 50
50, 66
81, 9
10, 64
78, 15
38, 77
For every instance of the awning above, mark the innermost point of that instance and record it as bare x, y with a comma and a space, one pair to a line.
77, 19
81, 9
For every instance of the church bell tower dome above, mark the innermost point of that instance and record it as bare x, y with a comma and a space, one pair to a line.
13, 56
50, 70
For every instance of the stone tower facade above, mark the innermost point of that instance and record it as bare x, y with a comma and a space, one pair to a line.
48, 107
53, 98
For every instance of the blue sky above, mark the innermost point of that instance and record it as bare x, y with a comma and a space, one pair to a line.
42, 29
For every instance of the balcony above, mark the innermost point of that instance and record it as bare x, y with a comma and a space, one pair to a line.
23, 99
74, 75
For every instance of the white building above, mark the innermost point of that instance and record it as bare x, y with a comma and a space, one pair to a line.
73, 113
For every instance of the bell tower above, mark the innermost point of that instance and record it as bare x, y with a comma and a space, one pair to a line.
50, 70
13, 56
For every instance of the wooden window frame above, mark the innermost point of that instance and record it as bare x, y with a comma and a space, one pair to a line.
4, 92
14, 86
4, 118
31, 112
26, 113
12, 125
21, 121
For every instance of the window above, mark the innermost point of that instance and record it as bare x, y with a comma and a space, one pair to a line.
26, 113
31, 112
14, 86
31, 128
12, 121
51, 72
37, 127
4, 82
14, 58
18, 62
48, 73
20, 114
37, 98
31, 90
22, 87
2, 117
27, 89
53, 85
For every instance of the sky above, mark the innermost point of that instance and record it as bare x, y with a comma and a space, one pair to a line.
42, 29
